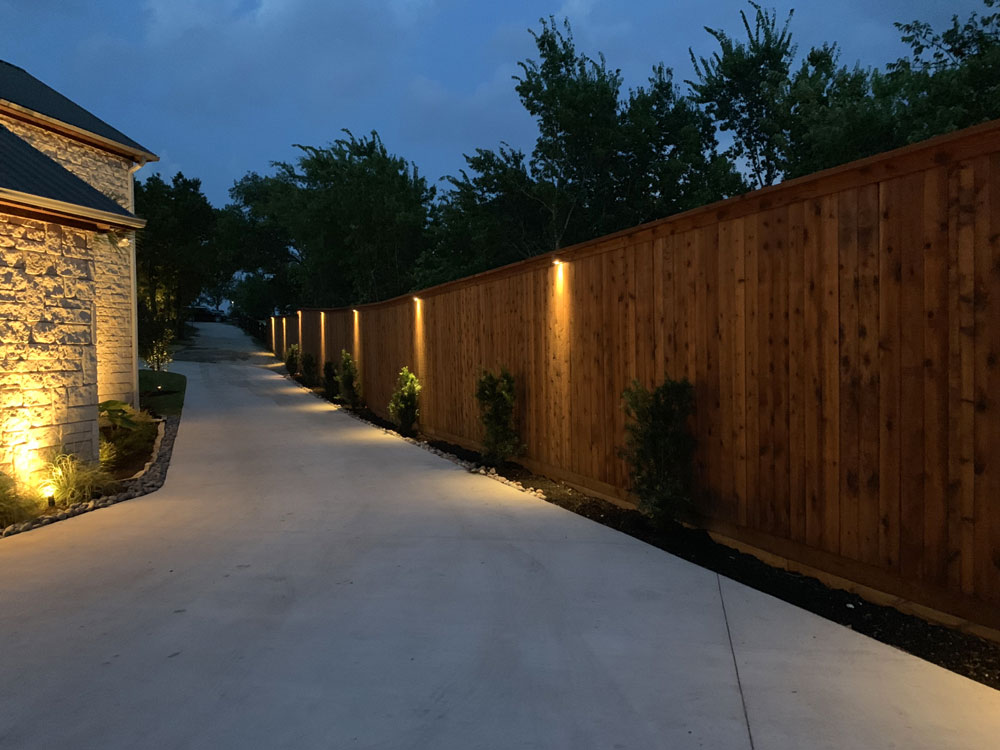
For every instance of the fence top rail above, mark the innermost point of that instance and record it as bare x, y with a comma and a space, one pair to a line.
933, 152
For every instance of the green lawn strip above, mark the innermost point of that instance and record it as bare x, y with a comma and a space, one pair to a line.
162, 392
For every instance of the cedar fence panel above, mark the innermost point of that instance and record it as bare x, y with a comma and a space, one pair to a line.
842, 332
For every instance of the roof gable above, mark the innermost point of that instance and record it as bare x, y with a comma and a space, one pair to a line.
19, 87
27, 174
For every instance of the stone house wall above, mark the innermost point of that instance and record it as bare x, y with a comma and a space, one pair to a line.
48, 362
114, 259
109, 173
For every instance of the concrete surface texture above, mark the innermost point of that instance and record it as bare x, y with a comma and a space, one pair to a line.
303, 580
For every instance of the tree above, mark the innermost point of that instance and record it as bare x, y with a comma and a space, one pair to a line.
601, 162
175, 256
744, 88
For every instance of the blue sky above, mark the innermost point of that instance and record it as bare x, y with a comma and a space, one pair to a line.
220, 87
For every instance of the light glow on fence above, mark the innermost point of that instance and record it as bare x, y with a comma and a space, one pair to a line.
322, 340
357, 338
418, 336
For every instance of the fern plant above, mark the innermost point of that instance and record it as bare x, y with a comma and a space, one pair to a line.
496, 394
659, 447
404, 406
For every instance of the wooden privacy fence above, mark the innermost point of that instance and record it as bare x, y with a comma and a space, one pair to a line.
842, 332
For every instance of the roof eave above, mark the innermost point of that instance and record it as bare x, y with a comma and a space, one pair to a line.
101, 219
139, 156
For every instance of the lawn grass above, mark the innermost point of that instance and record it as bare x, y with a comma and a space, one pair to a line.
162, 393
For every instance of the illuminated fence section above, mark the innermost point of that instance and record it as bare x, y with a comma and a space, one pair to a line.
842, 332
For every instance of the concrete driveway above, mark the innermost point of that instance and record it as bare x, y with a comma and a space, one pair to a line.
305, 581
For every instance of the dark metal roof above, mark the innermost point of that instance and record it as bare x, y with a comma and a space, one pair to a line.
27, 170
22, 88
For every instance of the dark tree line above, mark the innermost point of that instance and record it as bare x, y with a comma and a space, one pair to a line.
351, 222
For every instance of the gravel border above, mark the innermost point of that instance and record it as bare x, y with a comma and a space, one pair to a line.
150, 479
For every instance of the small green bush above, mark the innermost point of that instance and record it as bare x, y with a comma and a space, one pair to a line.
72, 480
404, 406
310, 374
292, 359
347, 379
496, 394
659, 447
331, 388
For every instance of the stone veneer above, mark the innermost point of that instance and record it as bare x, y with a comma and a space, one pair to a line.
48, 364
109, 173
112, 175
67, 306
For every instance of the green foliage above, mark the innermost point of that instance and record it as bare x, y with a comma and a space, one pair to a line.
128, 433
156, 353
292, 359
14, 507
788, 124
404, 405
72, 480
331, 388
497, 394
347, 379
659, 447
117, 414
310, 374
176, 258
602, 161
108, 454
743, 87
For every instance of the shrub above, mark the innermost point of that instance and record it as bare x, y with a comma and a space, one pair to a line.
404, 406
496, 395
72, 480
128, 432
331, 388
659, 446
347, 379
108, 454
157, 355
309, 371
292, 359
14, 508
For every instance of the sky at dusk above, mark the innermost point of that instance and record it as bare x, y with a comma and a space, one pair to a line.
217, 88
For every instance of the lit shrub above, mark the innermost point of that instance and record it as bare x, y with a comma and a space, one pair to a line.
659, 447
158, 355
347, 379
69, 479
404, 406
310, 374
331, 388
108, 454
496, 394
292, 359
